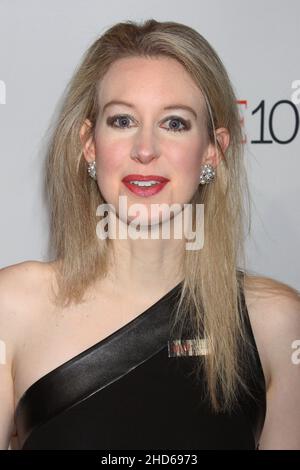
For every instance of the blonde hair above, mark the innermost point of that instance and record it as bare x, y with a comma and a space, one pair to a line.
212, 282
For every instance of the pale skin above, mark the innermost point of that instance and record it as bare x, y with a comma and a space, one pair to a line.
149, 86
39, 337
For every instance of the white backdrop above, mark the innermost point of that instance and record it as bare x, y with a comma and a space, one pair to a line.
258, 41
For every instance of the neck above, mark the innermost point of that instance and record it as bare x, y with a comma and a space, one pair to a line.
146, 265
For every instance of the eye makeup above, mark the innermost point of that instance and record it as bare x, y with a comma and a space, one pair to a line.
186, 124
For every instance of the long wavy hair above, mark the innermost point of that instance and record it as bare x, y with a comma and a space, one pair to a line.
210, 299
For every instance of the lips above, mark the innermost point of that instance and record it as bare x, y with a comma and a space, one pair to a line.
129, 178
145, 191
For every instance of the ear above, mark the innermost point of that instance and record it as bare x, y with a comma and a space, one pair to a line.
213, 155
87, 141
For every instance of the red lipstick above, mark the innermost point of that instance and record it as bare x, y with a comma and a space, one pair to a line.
155, 184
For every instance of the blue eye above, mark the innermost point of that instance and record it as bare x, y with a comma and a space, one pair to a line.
176, 129
123, 118
111, 120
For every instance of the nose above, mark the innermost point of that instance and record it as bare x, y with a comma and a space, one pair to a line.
144, 148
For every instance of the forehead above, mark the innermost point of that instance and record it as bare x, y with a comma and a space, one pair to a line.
150, 80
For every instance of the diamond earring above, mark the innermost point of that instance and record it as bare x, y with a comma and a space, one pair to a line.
207, 173
91, 168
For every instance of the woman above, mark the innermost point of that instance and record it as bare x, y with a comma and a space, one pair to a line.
135, 342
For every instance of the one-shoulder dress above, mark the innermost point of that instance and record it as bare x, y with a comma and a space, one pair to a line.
131, 391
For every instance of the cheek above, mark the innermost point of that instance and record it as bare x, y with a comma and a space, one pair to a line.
186, 160
109, 156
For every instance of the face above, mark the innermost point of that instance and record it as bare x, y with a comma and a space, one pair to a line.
141, 137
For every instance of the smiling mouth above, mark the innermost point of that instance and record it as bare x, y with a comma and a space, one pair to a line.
145, 188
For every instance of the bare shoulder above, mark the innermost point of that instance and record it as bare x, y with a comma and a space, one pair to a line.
263, 288
274, 311
21, 285
26, 271
272, 301
21, 276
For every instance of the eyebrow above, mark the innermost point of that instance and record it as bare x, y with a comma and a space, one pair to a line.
172, 106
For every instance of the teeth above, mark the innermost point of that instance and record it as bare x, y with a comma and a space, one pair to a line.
144, 183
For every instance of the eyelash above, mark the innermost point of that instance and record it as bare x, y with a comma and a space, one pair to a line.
111, 120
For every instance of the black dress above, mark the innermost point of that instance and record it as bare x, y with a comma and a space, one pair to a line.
130, 391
